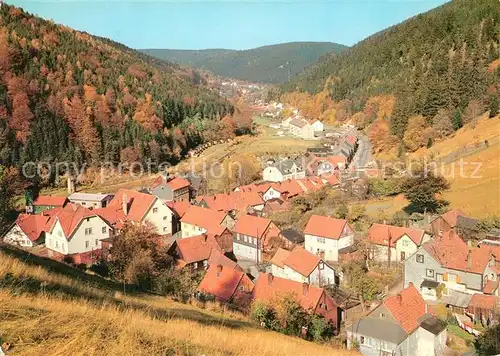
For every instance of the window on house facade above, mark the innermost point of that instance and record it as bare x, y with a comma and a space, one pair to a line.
88, 231
382, 315
255, 241
362, 340
96, 242
321, 265
155, 210
420, 258
405, 243
87, 244
57, 244
439, 277
452, 278
164, 229
429, 273
320, 240
104, 229
164, 218
242, 288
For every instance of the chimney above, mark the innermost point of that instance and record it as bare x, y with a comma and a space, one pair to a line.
125, 204
270, 278
305, 288
400, 298
469, 259
70, 183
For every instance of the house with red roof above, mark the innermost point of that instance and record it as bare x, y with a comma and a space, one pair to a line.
198, 220
252, 235
227, 283
284, 170
27, 231
140, 208
75, 230
302, 266
449, 261
194, 252
238, 201
171, 188
484, 309
455, 220
313, 299
394, 243
46, 202
401, 325
328, 237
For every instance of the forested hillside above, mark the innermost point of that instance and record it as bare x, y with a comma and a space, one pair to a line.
431, 72
67, 95
268, 64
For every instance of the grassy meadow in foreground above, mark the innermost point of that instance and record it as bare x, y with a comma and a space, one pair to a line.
46, 310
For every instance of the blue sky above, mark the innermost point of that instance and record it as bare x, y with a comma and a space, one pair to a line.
228, 24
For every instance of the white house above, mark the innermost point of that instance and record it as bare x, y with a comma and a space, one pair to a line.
317, 125
283, 170
141, 208
325, 236
271, 193
302, 266
301, 128
76, 230
91, 200
402, 242
401, 325
27, 231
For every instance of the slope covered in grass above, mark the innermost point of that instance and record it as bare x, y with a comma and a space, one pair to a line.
49, 308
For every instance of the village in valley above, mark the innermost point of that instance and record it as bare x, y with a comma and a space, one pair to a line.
416, 285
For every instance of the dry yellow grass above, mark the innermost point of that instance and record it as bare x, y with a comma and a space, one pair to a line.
78, 318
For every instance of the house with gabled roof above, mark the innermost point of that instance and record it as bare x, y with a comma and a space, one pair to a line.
394, 243
251, 235
28, 230
401, 325
327, 237
238, 201
449, 261
455, 220
301, 128
75, 230
227, 283
171, 188
313, 299
91, 200
198, 220
302, 266
139, 208
283, 170
46, 202
194, 252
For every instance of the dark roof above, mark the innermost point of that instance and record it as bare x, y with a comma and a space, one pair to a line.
429, 284
348, 249
293, 235
494, 233
285, 166
195, 181
468, 223
457, 299
380, 329
433, 325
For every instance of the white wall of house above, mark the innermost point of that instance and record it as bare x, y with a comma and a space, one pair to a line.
17, 237
271, 193
318, 126
321, 277
247, 252
429, 344
87, 236
330, 247
278, 271
307, 132
160, 216
379, 253
189, 230
272, 174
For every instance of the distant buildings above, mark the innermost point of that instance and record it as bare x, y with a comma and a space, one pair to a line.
301, 128
90, 200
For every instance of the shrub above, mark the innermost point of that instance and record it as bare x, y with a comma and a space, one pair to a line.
263, 314
320, 329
